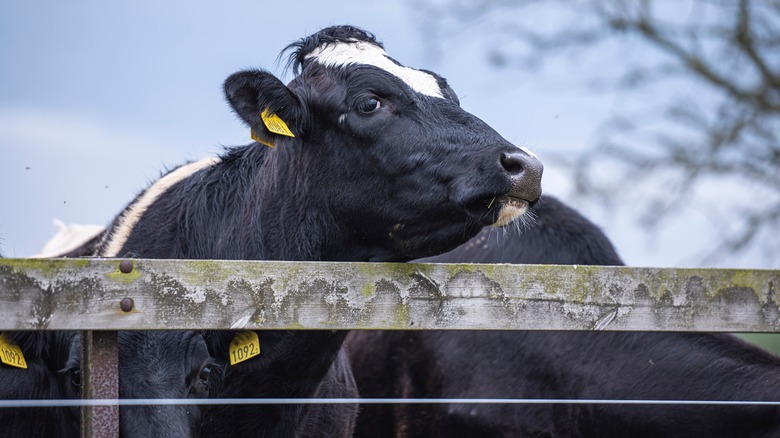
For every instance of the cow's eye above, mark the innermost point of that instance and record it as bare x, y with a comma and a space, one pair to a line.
205, 372
369, 105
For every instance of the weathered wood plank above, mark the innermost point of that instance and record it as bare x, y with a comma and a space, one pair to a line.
85, 294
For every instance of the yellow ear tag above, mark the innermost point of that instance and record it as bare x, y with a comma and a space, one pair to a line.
257, 138
275, 124
245, 345
10, 353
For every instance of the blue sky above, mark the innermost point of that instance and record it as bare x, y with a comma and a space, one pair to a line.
96, 98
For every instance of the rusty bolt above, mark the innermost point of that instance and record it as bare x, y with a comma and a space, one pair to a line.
126, 266
126, 305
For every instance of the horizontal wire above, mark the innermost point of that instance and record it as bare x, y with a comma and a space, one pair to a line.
331, 401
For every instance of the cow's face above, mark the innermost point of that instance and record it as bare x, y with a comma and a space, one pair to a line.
386, 150
53, 361
162, 365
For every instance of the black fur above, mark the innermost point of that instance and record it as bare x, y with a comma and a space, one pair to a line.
577, 365
297, 365
557, 235
417, 176
53, 372
163, 364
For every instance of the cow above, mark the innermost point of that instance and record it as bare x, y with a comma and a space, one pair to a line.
560, 365
52, 372
163, 365
71, 240
358, 158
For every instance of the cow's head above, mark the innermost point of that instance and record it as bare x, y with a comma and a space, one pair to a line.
52, 372
162, 365
384, 151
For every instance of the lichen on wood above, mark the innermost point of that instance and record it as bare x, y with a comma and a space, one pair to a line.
208, 294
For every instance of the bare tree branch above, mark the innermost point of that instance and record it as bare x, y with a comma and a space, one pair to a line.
728, 49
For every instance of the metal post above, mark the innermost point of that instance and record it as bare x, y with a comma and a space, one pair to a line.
100, 379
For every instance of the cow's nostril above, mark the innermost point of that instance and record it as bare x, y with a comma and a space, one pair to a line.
512, 162
525, 174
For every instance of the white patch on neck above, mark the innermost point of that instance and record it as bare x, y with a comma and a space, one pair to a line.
134, 212
361, 52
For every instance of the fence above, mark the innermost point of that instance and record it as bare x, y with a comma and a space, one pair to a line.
101, 296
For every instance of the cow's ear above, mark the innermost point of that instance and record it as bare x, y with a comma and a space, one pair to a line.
270, 109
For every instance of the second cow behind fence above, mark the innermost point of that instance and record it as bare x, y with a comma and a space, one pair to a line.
560, 365
48, 368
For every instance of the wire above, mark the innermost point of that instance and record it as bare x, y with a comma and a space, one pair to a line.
331, 401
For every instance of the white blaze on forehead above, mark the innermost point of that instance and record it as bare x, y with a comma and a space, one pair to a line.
361, 52
133, 214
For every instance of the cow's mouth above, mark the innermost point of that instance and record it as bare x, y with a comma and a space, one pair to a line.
511, 208
497, 211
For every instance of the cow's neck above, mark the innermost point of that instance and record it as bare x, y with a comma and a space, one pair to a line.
297, 222
289, 222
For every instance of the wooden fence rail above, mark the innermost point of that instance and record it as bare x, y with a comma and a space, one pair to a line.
113, 294
101, 296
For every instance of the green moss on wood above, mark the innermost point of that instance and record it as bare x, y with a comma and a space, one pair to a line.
46, 267
122, 278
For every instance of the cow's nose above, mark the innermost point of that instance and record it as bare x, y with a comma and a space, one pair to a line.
525, 172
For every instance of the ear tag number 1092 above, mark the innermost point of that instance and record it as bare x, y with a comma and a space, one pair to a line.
10, 353
245, 345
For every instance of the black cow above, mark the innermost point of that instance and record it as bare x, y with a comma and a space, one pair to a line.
562, 365
372, 161
163, 365
52, 373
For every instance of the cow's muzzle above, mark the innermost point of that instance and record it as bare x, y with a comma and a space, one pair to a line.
525, 172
